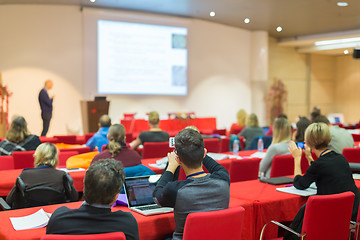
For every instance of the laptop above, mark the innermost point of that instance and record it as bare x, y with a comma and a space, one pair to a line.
277, 180
139, 194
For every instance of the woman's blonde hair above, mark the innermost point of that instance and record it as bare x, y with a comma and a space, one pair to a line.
116, 136
241, 117
317, 135
154, 118
281, 130
252, 120
46, 154
18, 131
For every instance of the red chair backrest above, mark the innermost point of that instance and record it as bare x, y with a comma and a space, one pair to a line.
220, 131
352, 154
328, 216
225, 144
100, 236
23, 159
212, 145
49, 139
244, 169
242, 142
80, 150
155, 149
63, 156
6, 162
356, 137
67, 139
88, 136
129, 137
282, 165
214, 225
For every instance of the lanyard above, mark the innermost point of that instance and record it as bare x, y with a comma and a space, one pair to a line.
324, 151
195, 174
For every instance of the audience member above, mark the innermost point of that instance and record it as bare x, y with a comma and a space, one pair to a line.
330, 172
102, 184
117, 149
301, 125
44, 174
200, 191
46, 105
314, 113
100, 137
240, 123
279, 145
252, 130
270, 131
155, 134
340, 138
19, 138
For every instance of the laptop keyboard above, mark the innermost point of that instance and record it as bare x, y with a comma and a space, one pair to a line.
148, 207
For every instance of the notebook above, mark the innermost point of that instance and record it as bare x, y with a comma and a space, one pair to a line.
139, 195
277, 180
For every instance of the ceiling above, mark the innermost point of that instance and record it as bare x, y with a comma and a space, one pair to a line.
298, 18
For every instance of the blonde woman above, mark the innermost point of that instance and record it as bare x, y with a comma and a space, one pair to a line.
279, 146
19, 138
155, 134
117, 149
252, 130
43, 174
240, 124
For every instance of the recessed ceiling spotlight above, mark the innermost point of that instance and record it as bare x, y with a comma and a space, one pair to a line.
279, 29
212, 14
246, 20
342, 4
92, 1
346, 51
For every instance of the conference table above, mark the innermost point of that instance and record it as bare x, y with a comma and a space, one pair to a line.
155, 227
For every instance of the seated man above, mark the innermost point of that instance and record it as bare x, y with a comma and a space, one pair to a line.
200, 191
100, 137
102, 183
340, 137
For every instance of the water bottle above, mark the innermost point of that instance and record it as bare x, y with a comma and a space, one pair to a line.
236, 146
260, 145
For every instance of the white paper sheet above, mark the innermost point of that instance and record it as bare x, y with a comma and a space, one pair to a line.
38, 219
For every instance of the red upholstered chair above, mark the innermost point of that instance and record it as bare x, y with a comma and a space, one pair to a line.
215, 225
282, 165
224, 144
326, 217
63, 156
352, 154
242, 142
67, 139
88, 136
101, 236
221, 132
356, 137
212, 145
6, 162
80, 150
244, 169
23, 159
49, 139
155, 149
129, 137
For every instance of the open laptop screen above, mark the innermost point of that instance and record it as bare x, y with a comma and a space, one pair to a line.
139, 191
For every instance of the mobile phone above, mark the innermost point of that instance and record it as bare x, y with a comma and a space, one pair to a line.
300, 145
172, 142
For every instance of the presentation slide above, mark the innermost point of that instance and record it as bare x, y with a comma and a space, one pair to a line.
136, 58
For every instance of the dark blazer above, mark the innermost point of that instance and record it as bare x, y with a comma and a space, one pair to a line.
43, 176
91, 220
46, 103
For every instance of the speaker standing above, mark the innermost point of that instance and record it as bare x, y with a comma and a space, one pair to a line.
46, 105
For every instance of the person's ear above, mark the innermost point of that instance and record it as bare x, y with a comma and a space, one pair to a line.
114, 200
205, 152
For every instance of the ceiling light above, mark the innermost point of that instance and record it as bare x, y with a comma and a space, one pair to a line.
335, 41
212, 14
342, 4
246, 20
346, 51
92, 0
279, 29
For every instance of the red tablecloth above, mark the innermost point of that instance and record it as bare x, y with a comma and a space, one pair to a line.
269, 204
150, 227
169, 125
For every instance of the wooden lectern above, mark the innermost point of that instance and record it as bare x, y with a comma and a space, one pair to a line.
91, 111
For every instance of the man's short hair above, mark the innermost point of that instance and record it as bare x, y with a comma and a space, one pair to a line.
189, 146
317, 135
322, 119
105, 121
103, 180
315, 113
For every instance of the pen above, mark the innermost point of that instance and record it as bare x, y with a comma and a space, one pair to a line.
289, 185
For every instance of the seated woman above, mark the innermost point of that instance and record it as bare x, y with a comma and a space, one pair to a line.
279, 145
117, 149
252, 130
301, 125
330, 172
44, 174
18, 138
155, 134
240, 124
